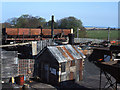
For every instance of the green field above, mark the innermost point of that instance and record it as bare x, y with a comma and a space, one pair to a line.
103, 34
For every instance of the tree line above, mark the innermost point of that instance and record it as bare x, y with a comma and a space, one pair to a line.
29, 21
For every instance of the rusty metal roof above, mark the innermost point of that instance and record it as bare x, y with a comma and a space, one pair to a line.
78, 50
64, 53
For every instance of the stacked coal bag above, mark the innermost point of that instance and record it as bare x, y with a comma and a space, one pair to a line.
9, 64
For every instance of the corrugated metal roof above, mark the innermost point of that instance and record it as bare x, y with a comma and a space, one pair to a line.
64, 53
77, 49
73, 52
57, 54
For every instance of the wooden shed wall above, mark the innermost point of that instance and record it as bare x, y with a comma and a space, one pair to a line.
9, 64
46, 58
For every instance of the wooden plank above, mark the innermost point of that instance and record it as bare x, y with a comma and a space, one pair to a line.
10, 45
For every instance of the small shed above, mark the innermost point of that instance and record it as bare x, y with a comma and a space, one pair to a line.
55, 64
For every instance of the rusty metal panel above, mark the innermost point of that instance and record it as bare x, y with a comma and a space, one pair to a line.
68, 57
46, 31
68, 52
24, 30
11, 31
71, 76
64, 53
56, 31
71, 50
26, 67
28, 31
78, 51
35, 31
66, 31
57, 54
75, 49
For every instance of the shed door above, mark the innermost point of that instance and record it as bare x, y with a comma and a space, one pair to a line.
46, 68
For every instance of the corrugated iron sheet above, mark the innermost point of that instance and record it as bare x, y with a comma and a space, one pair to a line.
57, 54
68, 53
65, 53
73, 52
78, 50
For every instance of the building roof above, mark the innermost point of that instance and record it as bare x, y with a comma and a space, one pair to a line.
64, 53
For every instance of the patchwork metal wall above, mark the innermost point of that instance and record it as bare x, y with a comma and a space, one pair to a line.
72, 72
26, 67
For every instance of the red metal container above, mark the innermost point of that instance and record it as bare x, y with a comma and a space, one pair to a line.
66, 31
21, 80
12, 31
35, 31
46, 31
25, 31
56, 31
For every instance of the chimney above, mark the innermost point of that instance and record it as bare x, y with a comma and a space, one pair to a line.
52, 27
71, 37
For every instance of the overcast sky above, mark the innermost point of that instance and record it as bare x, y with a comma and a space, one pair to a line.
103, 14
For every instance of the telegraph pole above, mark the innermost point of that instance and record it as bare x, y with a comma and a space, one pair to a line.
108, 33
